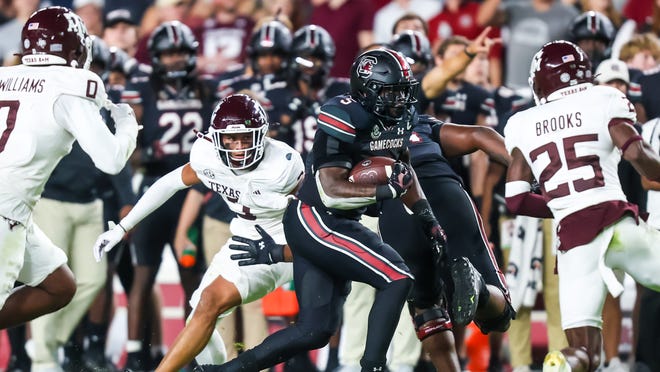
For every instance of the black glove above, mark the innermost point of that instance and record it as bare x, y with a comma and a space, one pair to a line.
264, 251
399, 182
438, 242
435, 232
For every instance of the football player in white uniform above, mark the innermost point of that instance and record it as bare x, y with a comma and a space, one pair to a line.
571, 143
47, 103
256, 176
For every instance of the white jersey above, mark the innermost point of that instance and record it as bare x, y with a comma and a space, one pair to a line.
257, 196
569, 149
42, 111
651, 134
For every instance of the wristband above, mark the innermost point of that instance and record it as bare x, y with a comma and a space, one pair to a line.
470, 55
422, 209
122, 227
630, 142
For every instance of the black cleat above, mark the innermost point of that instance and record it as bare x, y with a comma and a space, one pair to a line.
96, 361
467, 284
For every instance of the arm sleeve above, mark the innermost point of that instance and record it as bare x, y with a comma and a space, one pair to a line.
81, 117
156, 195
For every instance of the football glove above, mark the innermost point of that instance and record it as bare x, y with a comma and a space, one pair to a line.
438, 242
397, 184
257, 252
120, 111
106, 241
432, 229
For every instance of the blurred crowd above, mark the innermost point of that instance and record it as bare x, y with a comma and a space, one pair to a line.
173, 60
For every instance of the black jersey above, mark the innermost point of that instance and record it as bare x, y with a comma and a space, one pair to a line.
462, 106
304, 110
170, 118
426, 154
347, 134
650, 93
271, 90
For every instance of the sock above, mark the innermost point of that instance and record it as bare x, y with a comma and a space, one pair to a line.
373, 366
17, 342
333, 359
133, 346
96, 335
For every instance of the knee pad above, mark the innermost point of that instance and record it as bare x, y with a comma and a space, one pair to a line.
431, 321
498, 324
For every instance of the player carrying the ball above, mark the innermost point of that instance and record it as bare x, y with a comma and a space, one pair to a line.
330, 246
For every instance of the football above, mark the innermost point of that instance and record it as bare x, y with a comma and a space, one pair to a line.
375, 170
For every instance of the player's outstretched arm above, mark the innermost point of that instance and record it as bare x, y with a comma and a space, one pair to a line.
435, 81
458, 140
156, 195
634, 149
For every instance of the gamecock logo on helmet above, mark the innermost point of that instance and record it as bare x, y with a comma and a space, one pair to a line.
366, 66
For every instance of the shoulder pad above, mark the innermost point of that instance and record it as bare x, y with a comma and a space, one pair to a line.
342, 116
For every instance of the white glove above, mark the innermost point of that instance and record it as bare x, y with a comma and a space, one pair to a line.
120, 111
106, 241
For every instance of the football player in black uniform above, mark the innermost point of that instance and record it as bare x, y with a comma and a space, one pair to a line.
330, 246
427, 141
172, 103
268, 54
312, 56
415, 46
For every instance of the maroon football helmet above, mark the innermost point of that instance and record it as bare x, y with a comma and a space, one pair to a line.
237, 114
557, 66
55, 36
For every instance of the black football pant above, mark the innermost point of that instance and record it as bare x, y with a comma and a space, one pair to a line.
330, 252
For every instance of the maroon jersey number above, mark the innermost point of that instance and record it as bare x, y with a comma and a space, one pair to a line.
572, 162
10, 121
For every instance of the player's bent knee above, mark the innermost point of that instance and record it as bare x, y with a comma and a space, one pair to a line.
431, 321
500, 323
213, 302
61, 286
315, 339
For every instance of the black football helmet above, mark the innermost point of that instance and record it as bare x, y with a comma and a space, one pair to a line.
55, 36
414, 45
272, 37
592, 25
557, 66
382, 82
172, 36
594, 33
120, 61
235, 114
312, 47
100, 57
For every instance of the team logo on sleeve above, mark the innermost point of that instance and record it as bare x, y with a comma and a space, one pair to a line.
366, 66
209, 173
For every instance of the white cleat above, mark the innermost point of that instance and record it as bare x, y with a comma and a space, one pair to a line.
555, 361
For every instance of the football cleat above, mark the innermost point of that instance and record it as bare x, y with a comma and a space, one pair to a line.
555, 361
467, 284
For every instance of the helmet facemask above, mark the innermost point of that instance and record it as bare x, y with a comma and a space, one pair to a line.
393, 101
239, 158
